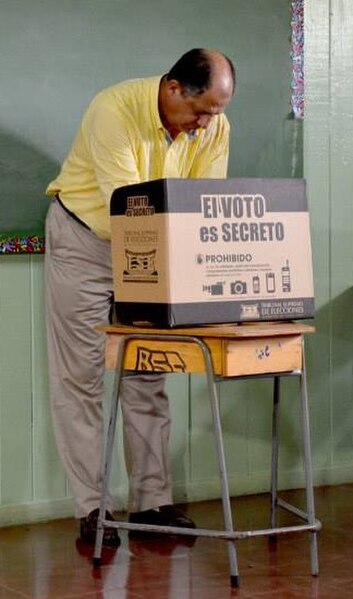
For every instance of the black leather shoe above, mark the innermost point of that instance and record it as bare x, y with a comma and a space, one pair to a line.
88, 529
165, 515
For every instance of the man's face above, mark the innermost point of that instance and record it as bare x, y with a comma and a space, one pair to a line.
187, 113
197, 111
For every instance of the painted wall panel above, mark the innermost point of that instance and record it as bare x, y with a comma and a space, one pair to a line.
341, 227
317, 126
16, 382
48, 477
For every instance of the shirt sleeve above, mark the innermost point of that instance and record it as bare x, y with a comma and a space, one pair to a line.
109, 141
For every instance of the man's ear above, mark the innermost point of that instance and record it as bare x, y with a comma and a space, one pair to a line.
174, 88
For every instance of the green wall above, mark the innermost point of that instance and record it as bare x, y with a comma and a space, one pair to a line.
53, 57
328, 160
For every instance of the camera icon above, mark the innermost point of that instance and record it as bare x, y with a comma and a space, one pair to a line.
238, 288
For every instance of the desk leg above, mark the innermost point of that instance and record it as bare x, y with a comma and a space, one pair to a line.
275, 444
227, 513
308, 467
109, 453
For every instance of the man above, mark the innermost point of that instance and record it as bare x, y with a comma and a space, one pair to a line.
138, 130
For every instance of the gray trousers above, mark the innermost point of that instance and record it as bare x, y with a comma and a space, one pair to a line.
78, 284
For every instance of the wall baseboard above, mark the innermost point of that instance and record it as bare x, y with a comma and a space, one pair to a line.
202, 490
27, 513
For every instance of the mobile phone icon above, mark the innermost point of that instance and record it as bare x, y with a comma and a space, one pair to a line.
256, 284
270, 282
286, 283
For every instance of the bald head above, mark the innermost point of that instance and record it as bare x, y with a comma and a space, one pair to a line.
200, 69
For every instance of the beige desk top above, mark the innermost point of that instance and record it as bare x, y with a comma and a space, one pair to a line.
226, 331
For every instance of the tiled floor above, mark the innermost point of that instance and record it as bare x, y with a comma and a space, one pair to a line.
46, 561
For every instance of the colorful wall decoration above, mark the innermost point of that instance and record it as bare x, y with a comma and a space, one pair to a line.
297, 23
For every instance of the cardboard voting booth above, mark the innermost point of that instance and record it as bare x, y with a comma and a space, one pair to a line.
210, 251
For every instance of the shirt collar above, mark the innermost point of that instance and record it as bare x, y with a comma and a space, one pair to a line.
190, 136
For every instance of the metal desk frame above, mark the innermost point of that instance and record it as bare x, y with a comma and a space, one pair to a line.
310, 523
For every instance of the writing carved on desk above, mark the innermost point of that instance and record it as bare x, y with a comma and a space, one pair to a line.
159, 361
263, 352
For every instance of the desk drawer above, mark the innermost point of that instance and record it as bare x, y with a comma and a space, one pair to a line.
261, 355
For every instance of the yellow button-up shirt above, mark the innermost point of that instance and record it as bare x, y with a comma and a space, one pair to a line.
121, 140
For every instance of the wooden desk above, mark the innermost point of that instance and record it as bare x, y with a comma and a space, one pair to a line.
236, 350
223, 352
